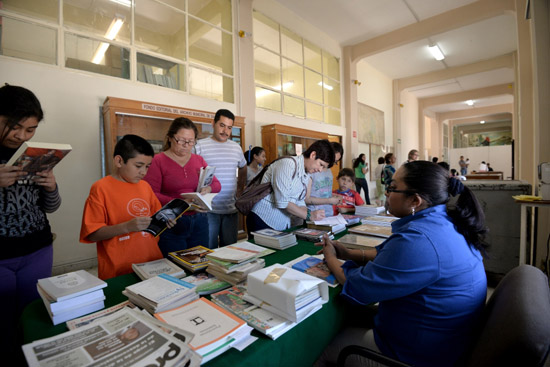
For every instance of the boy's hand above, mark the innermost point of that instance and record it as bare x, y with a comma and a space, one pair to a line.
317, 214
336, 200
170, 223
10, 174
138, 224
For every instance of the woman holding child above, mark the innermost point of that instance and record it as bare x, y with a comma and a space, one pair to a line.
428, 276
175, 171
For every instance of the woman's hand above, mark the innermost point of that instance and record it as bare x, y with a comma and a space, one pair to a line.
332, 249
317, 214
10, 174
45, 179
206, 190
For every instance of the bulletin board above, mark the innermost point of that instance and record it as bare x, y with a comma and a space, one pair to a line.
370, 125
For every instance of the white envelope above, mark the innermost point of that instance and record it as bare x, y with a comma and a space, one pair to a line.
282, 293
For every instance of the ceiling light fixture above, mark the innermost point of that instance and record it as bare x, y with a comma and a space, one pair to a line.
112, 32
436, 52
326, 86
482, 122
469, 102
127, 3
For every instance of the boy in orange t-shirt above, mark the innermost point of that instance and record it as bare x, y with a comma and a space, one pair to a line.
119, 208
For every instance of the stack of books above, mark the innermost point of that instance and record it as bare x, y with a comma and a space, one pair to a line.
71, 295
274, 239
286, 292
367, 210
156, 267
332, 228
352, 219
206, 283
355, 241
372, 230
215, 329
192, 259
232, 274
160, 293
379, 220
311, 234
266, 322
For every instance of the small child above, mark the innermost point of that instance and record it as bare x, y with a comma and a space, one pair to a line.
350, 197
119, 208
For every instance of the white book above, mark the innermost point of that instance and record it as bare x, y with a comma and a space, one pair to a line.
301, 314
69, 285
206, 176
161, 290
77, 312
37, 157
203, 202
156, 267
71, 303
281, 286
239, 252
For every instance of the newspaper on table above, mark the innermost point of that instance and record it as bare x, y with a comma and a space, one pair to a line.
124, 338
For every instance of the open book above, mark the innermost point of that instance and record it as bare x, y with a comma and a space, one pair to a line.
37, 157
206, 176
200, 201
172, 210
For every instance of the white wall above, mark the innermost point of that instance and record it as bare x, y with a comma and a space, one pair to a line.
409, 127
500, 157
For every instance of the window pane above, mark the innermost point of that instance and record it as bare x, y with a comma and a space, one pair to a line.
294, 106
160, 29
268, 99
42, 9
331, 89
97, 57
312, 55
267, 68
314, 111
293, 78
179, 4
217, 12
331, 66
210, 46
291, 45
101, 19
314, 89
266, 32
28, 41
161, 72
332, 116
209, 85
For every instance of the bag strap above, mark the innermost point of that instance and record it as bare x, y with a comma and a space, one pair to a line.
260, 175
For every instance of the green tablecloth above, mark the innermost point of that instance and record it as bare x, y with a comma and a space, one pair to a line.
298, 347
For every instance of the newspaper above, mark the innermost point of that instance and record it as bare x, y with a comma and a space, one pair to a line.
85, 320
124, 338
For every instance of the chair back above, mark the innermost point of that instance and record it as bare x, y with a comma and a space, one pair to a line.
516, 328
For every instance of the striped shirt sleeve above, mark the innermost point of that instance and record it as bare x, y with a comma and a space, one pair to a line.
50, 201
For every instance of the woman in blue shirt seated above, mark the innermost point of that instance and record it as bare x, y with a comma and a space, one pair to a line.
428, 276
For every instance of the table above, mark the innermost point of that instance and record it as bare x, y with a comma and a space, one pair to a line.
489, 175
523, 228
298, 347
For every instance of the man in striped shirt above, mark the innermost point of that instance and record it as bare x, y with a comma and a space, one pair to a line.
227, 156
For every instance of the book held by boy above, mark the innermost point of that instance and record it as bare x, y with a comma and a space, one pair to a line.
171, 210
36, 157
200, 201
356, 241
156, 267
371, 229
192, 259
274, 239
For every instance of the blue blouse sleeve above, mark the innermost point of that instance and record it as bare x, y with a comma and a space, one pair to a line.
405, 263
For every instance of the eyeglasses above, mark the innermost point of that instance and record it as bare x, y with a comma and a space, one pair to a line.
183, 142
393, 189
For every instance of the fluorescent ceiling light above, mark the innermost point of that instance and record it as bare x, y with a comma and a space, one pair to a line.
469, 102
127, 3
326, 86
111, 33
436, 52
482, 122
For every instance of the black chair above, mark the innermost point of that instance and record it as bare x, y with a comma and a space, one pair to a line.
515, 330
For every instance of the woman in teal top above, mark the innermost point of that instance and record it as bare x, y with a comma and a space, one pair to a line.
360, 166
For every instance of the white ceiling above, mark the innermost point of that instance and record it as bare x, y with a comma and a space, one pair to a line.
352, 21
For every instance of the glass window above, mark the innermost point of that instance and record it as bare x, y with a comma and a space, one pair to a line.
294, 106
153, 70
203, 83
178, 4
217, 12
291, 45
43, 9
314, 111
314, 86
87, 54
331, 66
266, 32
268, 99
28, 41
160, 28
332, 116
105, 18
293, 78
331, 90
267, 68
210, 46
312, 56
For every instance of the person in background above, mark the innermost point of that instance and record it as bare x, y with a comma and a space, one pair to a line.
289, 178
320, 191
361, 168
412, 156
482, 167
25, 233
227, 156
463, 165
350, 197
428, 276
255, 160
119, 208
455, 174
445, 166
389, 169
175, 171
489, 168
379, 182
435, 159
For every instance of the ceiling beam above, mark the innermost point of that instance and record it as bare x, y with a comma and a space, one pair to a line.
476, 112
490, 118
496, 90
453, 19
